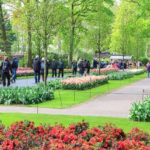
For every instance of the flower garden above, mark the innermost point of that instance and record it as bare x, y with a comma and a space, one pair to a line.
25, 135
22, 71
26, 71
81, 83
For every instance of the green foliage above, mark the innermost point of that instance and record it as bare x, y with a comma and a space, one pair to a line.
140, 111
120, 75
130, 30
144, 60
25, 95
53, 84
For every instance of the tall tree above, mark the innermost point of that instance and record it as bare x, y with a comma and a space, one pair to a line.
5, 46
130, 28
78, 11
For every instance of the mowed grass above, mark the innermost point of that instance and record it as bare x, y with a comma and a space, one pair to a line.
125, 124
68, 98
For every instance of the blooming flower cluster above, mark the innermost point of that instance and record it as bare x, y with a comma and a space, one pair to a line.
104, 70
25, 135
24, 71
81, 83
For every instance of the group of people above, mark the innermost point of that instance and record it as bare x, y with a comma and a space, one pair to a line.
39, 68
8, 70
83, 65
57, 67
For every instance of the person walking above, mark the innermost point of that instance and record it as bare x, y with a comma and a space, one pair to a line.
148, 69
74, 68
95, 63
37, 68
88, 67
81, 67
43, 69
14, 69
60, 68
6, 71
54, 66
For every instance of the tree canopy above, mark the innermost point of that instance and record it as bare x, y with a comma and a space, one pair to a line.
74, 27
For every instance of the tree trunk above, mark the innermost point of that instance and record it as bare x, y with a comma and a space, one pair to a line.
5, 46
45, 56
99, 48
29, 38
72, 32
71, 46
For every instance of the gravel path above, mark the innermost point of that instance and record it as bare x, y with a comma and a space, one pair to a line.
114, 104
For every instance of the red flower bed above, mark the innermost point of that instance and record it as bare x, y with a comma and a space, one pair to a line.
25, 135
104, 70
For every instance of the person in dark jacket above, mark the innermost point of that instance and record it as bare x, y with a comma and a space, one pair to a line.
74, 67
43, 68
95, 63
88, 67
14, 69
148, 69
61, 68
54, 66
37, 68
81, 67
6, 71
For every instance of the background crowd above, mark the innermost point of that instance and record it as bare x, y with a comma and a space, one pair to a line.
8, 68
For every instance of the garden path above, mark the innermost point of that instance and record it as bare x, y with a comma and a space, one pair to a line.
114, 104
28, 81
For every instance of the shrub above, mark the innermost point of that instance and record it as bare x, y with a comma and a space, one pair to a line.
139, 135
22, 71
53, 84
25, 135
120, 75
144, 60
136, 71
82, 83
25, 95
140, 111
103, 71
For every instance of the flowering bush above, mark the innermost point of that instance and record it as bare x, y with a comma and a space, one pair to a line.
24, 71
140, 111
25, 135
120, 75
81, 83
136, 71
104, 71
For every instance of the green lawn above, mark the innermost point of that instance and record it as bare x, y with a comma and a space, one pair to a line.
68, 98
123, 123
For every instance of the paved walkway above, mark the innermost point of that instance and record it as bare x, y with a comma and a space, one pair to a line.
26, 82
115, 104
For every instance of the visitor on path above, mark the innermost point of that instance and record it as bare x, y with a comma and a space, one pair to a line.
60, 68
14, 68
88, 67
6, 71
81, 67
54, 65
37, 68
95, 63
148, 69
74, 67
43, 69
